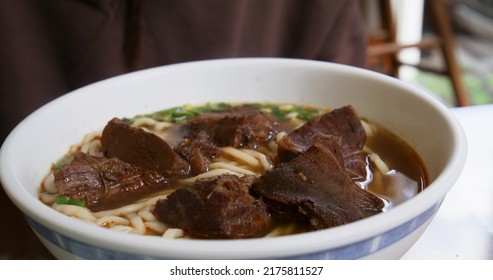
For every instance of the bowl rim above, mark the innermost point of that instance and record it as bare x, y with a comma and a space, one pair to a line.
315, 241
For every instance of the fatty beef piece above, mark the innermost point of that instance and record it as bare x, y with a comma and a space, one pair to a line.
342, 123
106, 183
240, 126
198, 152
141, 148
218, 208
315, 187
136, 163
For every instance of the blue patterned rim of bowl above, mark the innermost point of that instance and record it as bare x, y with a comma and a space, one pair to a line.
357, 250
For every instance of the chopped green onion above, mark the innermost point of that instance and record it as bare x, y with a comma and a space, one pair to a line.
184, 113
307, 114
60, 163
61, 199
187, 111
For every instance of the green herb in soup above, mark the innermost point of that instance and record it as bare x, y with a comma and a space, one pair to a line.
69, 201
186, 112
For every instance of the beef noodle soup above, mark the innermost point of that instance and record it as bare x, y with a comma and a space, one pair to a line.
223, 171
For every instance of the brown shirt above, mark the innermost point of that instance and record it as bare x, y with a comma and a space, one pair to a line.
50, 47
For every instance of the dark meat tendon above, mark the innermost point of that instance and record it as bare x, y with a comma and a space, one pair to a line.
342, 122
240, 126
106, 183
199, 152
218, 208
315, 187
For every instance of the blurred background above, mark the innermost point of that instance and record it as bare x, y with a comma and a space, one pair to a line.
427, 24
443, 46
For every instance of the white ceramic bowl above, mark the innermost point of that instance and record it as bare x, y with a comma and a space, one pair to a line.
419, 119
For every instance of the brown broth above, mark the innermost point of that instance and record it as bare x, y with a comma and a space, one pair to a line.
407, 175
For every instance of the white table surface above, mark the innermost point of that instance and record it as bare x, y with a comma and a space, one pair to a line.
463, 226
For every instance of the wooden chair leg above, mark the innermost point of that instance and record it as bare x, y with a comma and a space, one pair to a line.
444, 30
388, 23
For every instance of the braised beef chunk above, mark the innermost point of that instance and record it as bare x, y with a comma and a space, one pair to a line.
216, 208
240, 126
144, 149
198, 151
315, 187
106, 183
342, 122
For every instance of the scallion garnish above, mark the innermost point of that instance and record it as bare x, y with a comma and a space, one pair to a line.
61, 199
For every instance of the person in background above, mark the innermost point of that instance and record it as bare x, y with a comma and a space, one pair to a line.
51, 47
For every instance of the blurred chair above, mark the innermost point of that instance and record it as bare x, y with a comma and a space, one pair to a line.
383, 47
